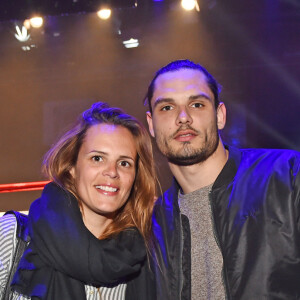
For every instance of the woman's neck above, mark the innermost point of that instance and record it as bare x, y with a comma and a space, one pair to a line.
95, 223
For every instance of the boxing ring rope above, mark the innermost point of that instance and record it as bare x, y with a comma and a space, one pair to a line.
22, 186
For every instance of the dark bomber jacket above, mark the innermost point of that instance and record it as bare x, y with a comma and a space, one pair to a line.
256, 214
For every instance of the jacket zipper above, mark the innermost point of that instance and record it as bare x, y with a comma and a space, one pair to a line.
180, 258
224, 276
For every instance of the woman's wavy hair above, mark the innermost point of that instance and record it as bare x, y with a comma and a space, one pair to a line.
58, 161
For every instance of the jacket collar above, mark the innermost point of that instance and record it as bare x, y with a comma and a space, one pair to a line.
229, 170
225, 177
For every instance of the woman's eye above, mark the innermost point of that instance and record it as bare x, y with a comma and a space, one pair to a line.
97, 158
167, 107
125, 163
197, 105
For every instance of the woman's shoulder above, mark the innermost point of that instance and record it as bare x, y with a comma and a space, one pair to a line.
130, 237
8, 226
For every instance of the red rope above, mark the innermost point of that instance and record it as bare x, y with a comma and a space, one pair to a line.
23, 186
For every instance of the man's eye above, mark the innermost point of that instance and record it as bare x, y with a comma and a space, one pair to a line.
197, 105
97, 158
167, 107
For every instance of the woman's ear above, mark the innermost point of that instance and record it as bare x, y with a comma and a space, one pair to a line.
221, 115
72, 172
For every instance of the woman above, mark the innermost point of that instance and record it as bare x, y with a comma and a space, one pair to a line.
91, 229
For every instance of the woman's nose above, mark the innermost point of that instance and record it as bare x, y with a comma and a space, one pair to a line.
110, 170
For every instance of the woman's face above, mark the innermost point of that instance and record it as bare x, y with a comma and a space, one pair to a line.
105, 171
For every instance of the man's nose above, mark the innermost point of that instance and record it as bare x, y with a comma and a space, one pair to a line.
183, 116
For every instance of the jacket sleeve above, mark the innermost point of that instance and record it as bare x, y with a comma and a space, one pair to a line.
295, 175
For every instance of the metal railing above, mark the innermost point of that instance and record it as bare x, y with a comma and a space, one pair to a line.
22, 186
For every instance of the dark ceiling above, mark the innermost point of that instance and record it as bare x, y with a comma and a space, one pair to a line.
22, 9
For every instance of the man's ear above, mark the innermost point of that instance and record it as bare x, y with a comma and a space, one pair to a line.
150, 123
221, 115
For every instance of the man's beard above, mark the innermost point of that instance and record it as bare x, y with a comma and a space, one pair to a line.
189, 156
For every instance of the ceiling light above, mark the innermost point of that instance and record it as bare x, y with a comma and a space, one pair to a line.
190, 4
104, 14
36, 22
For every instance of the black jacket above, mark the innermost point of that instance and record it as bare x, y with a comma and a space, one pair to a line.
256, 214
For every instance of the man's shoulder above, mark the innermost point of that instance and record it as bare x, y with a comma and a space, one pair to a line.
167, 201
170, 194
270, 154
256, 161
267, 161
270, 151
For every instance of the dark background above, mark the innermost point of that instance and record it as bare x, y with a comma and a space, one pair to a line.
252, 47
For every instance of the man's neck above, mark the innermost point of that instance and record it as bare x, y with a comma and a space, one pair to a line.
194, 177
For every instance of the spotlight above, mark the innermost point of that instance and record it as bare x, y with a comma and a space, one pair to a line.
22, 34
190, 4
132, 43
104, 13
36, 22
27, 24
25, 48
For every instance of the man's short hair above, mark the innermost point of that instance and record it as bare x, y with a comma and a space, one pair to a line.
179, 65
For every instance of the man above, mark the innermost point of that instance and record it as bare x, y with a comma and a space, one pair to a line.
229, 227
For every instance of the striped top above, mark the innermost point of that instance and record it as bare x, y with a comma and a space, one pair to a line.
8, 241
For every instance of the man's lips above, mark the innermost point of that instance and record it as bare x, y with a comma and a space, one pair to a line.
185, 135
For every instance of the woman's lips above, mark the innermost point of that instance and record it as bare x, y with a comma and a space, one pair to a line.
107, 189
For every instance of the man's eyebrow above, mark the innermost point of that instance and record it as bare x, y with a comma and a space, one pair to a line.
172, 101
200, 96
163, 100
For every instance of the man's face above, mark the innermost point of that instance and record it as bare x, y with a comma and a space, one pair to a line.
184, 120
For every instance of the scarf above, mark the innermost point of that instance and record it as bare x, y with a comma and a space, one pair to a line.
63, 255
